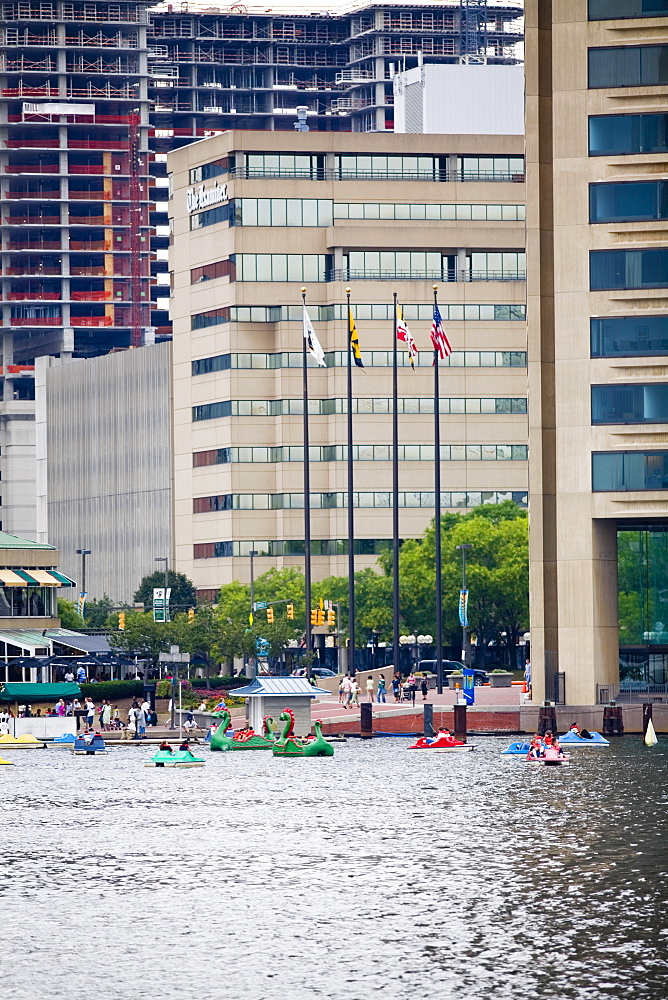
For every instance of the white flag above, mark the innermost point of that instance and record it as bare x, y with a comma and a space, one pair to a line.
312, 341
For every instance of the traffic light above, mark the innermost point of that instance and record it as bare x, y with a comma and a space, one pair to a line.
291, 610
314, 616
270, 615
331, 618
320, 615
121, 619
191, 615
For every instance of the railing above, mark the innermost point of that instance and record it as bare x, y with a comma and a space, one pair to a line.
631, 692
37, 195
37, 321
489, 175
37, 296
87, 272
33, 168
33, 245
92, 245
80, 168
36, 272
32, 143
90, 220
91, 321
90, 296
90, 195
114, 144
28, 220
348, 274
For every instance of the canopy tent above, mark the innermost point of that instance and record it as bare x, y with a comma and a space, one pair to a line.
27, 694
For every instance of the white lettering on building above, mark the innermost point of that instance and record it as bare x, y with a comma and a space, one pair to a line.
201, 197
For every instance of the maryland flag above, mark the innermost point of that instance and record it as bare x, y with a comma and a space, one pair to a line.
403, 333
354, 340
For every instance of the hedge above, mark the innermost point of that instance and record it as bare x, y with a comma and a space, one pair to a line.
113, 690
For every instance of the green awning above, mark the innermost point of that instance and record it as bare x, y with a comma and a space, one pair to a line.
27, 577
66, 582
30, 693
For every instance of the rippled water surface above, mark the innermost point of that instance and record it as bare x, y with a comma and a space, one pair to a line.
376, 872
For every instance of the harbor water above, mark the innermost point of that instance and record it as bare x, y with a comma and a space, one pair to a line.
377, 872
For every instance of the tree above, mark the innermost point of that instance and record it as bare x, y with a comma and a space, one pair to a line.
144, 637
68, 614
183, 594
97, 612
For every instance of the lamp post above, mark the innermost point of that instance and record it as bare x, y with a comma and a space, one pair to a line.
465, 629
422, 640
406, 640
82, 596
252, 554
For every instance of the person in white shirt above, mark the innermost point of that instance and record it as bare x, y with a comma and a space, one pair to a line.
369, 687
69, 677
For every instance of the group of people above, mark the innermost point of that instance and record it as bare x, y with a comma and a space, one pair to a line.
403, 689
547, 747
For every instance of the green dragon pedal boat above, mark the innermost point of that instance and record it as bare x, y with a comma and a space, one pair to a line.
288, 746
175, 758
240, 740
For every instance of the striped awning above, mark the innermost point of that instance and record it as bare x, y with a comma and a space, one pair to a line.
34, 578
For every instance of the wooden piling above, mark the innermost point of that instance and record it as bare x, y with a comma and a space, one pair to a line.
428, 725
460, 722
547, 718
613, 720
366, 720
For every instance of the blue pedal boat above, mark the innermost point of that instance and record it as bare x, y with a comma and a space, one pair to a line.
519, 749
89, 748
573, 740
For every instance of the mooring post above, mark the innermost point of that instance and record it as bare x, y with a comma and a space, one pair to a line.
428, 729
613, 720
460, 722
547, 718
646, 717
366, 720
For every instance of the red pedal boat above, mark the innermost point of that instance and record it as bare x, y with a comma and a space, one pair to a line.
442, 744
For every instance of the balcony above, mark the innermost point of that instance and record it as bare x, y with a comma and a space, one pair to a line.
90, 195
32, 220
33, 168
37, 195
33, 245
85, 168
87, 272
90, 220
91, 321
92, 245
36, 296
37, 321
32, 143
90, 296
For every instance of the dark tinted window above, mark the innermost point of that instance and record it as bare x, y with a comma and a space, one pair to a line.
210, 411
611, 135
629, 470
628, 336
628, 66
610, 269
629, 404
204, 366
630, 201
607, 10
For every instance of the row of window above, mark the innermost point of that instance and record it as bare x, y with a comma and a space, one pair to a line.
636, 403
629, 470
283, 266
291, 547
322, 212
327, 407
352, 166
628, 336
212, 217
628, 66
363, 453
210, 170
607, 10
372, 359
332, 501
378, 311
628, 201
615, 135
613, 269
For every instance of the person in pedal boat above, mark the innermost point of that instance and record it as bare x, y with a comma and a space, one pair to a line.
536, 747
443, 735
165, 746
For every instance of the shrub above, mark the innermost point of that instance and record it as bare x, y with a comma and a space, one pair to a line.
113, 690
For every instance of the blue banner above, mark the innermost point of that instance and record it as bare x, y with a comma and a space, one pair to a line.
469, 685
463, 607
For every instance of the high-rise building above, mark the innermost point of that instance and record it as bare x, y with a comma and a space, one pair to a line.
255, 217
597, 145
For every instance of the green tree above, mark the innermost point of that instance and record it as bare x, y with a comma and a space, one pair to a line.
183, 594
144, 636
97, 612
68, 614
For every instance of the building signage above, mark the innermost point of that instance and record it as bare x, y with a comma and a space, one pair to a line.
203, 197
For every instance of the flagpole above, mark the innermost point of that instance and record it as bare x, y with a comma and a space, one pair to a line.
351, 512
437, 519
395, 495
307, 499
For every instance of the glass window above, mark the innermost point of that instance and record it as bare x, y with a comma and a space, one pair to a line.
628, 336
611, 269
611, 135
628, 66
628, 201
606, 10
629, 404
629, 470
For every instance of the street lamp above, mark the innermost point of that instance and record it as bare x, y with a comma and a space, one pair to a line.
465, 628
82, 595
252, 554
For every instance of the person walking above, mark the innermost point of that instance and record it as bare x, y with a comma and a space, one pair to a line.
380, 693
424, 687
354, 691
396, 687
141, 723
342, 691
106, 716
411, 683
370, 688
347, 690
89, 705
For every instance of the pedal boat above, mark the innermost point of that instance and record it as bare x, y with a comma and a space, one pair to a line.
549, 761
442, 745
573, 740
64, 742
25, 742
519, 749
82, 748
8, 762
175, 758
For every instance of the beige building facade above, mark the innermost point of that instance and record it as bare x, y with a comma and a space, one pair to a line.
597, 244
257, 216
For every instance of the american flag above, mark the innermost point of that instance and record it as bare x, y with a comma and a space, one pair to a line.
439, 338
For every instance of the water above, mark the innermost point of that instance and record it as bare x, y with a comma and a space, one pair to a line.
376, 872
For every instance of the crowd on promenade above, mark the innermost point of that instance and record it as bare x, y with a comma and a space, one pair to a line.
403, 689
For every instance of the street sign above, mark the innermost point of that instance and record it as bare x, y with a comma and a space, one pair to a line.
259, 605
161, 604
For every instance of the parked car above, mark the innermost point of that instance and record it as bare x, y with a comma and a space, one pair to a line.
315, 672
453, 666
